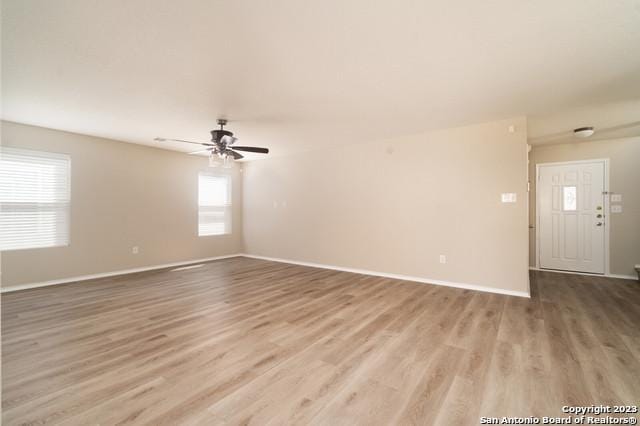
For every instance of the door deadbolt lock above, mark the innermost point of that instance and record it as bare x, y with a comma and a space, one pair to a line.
599, 208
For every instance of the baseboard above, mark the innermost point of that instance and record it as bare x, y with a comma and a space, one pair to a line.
111, 274
395, 276
624, 277
422, 280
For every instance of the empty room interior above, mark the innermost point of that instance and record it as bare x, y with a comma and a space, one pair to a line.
320, 212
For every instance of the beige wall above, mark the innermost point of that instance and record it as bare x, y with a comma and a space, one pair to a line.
395, 206
122, 195
624, 178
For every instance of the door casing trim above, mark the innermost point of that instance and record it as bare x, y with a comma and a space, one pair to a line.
607, 225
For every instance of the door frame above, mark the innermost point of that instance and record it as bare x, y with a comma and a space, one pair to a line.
607, 226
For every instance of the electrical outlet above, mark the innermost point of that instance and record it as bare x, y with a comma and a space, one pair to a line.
135, 250
443, 258
616, 198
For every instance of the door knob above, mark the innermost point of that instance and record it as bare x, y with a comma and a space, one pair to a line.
599, 224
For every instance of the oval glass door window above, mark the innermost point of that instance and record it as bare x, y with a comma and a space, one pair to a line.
569, 198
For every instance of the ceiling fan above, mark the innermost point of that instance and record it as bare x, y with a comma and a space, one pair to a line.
221, 149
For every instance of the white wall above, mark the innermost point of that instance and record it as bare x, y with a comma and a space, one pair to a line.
122, 195
395, 206
392, 206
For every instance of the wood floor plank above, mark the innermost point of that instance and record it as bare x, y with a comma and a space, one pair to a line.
247, 341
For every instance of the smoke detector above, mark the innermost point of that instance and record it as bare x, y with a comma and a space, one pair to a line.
583, 132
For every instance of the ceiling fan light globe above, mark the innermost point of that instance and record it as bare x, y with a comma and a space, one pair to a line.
215, 160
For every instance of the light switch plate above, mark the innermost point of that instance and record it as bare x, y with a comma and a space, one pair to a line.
616, 198
509, 197
616, 208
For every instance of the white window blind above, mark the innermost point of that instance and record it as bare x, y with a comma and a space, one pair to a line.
214, 205
34, 199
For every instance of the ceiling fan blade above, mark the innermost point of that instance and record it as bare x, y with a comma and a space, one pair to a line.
235, 155
252, 149
200, 151
180, 140
229, 140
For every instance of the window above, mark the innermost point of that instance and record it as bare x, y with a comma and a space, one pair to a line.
34, 199
569, 199
214, 205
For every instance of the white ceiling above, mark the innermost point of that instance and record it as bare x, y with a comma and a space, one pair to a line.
296, 75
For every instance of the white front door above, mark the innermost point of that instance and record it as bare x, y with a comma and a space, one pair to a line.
571, 216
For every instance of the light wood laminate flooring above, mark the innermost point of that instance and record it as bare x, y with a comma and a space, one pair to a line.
246, 341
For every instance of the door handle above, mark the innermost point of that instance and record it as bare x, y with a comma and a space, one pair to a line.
599, 224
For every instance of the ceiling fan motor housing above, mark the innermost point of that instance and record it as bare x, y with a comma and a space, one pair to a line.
216, 135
